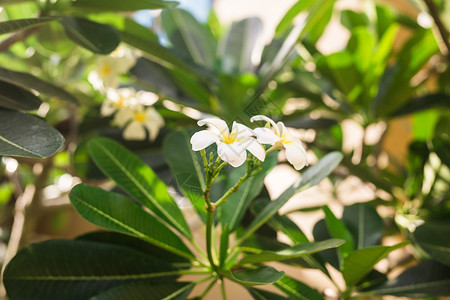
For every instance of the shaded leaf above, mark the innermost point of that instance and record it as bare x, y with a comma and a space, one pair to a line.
296, 289
338, 230
360, 262
312, 176
77, 270
118, 5
28, 81
96, 37
433, 237
427, 279
291, 252
422, 103
116, 212
13, 97
259, 294
263, 275
25, 135
321, 233
137, 179
15, 25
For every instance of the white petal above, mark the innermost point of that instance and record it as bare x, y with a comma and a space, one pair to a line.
266, 136
267, 119
134, 131
234, 154
202, 139
240, 131
217, 124
107, 108
122, 116
296, 155
286, 134
255, 148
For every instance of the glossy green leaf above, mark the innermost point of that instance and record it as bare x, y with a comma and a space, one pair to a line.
29, 136
296, 289
15, 25
360, 262
259, 294
118, 5
146, 291
187, 168
14, 97
77, 270
364, 224
28, 81
96, 37
427, 279
137, 179
260, 276
433, 237
234, 209
116, 212
312, 176
240, 46
189, 38
338, 230
291, 252
321, 233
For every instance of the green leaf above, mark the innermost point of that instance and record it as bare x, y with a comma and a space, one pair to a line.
77, 270
116, 212
145, 291
321, 233
240, 46
137, 179
360, 262
15, 25
291, 252
259, 294
187, 168
260, 276
295, 9
427, 279
312, 176
97, 38
28, 81
9, 2
338, 230
13, 97
119, 5
234, 209
433, 237
188, 37
352, 19
25, 135
430, 101
296, 289
364, 223
224, 245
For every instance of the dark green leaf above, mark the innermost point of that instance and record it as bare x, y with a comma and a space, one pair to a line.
145, 291
224, 245
119, 5
427, 279
425, 102
297, 290
77, 270
13, 97
188, 37
240, 46
338, 230
96, 37
234, 209
312, 176
364, 223
25, 135
259, 294
263, 275
291, 252
137, 179
360, 262
28, 81
433, 237
321, 233
15, 25
116, 212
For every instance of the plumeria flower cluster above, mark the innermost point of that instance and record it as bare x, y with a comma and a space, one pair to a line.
232, 146
133, 111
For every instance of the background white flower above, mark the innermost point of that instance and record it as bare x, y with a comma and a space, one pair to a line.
280, 137
138, 119
231, 146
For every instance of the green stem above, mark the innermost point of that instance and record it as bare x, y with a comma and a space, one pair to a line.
208, 288
222, 288
209, 228
200, 251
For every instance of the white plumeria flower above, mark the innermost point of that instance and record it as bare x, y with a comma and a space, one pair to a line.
282, 138
231, 146
140, 118
109, 68
118, 99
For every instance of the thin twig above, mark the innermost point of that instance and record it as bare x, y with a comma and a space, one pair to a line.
443, 33
17, 37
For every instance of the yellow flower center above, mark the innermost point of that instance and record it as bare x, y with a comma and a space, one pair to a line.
106, 70
229, 139
140, 117
121, 102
